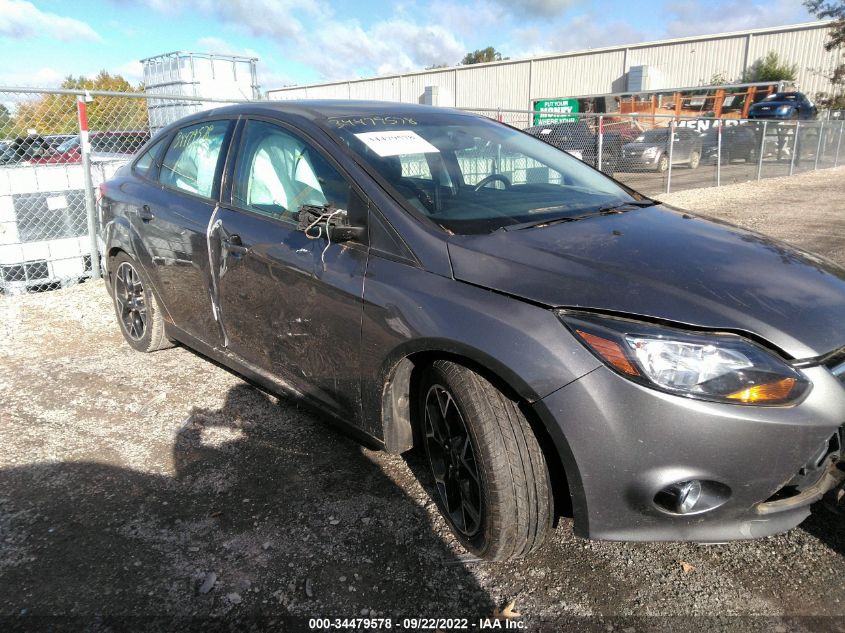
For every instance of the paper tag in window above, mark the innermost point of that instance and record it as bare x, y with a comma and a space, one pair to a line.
396, 142
54, 203
545, 131
575, 153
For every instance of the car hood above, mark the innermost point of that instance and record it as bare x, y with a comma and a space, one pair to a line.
640, 147
660, 263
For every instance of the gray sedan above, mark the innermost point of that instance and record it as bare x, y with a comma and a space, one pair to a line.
548, 338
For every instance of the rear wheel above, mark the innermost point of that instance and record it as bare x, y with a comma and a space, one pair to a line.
492, 483
136, 307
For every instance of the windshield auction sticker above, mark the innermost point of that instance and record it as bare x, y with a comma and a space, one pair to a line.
394, 143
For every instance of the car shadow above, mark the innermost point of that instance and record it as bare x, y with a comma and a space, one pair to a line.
268, 512
828, 527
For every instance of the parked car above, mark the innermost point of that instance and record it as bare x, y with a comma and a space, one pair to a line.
739, 142
104, 146
55, 140
25, 150
579, 140
650, 150
543, 342
784, 106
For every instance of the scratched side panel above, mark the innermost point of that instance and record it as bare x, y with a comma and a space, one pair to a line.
408, 310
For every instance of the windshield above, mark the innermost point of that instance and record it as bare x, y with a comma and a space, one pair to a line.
653, 136
473, 175
68, 145
782, 96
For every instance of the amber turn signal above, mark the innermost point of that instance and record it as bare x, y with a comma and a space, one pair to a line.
768, 392
609, 351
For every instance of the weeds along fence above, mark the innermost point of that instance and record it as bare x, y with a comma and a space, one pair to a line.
58, 146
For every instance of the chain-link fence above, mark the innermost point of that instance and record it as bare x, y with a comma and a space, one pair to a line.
656, 154
57, 146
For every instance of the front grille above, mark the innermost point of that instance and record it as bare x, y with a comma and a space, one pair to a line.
835, 362
839, 372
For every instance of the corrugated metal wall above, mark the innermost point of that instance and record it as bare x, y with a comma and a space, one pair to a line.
515, 84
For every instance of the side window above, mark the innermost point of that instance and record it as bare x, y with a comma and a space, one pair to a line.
278, 172
191, 160
147, 164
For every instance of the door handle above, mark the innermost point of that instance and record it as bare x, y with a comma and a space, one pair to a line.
234, 245
145, 213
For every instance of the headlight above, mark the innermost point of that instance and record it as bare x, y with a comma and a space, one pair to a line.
718, 367
784, 109
651, 152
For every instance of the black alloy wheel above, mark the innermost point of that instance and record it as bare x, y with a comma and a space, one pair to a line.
131, 303
453, 461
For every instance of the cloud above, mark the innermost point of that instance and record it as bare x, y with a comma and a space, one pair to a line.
537, 8
38, 78
582, 32
220, 46
23, 20
700, 17
391, 46
132, 71
279, 19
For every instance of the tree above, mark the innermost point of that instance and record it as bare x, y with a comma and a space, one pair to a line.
831, 9
56, 114
482, 56
771, 68
6, 122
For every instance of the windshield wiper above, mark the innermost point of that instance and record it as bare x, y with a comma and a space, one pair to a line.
609, 209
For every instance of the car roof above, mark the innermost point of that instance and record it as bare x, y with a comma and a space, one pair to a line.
319, 110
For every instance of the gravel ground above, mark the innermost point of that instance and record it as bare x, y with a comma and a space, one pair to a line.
162, 484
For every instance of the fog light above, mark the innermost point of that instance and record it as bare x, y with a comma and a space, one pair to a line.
692, 496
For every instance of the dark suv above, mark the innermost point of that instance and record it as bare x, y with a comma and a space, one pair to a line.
545, 335
578, 139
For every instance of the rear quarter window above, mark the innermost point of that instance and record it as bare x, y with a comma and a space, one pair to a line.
190, 163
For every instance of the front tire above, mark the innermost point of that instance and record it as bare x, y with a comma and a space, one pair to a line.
694, 160
135, 305
491, 479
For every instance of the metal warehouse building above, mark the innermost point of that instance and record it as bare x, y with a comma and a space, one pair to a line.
666, 64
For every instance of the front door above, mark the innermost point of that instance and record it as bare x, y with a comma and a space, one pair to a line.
290, 304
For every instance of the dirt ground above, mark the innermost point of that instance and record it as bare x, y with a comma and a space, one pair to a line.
162, 484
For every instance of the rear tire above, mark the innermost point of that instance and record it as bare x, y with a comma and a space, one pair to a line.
468, 424
137, 310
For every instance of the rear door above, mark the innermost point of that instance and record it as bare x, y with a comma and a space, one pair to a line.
172, 219
289, 304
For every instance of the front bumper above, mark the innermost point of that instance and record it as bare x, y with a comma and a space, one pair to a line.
622, 443
638, 161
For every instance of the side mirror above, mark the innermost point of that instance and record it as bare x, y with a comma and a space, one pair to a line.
322, 221
342, 233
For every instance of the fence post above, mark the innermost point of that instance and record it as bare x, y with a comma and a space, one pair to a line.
601, 141
90, 207
671, 148
838, 144
719, 153
819, 146
794, 147
760, 153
